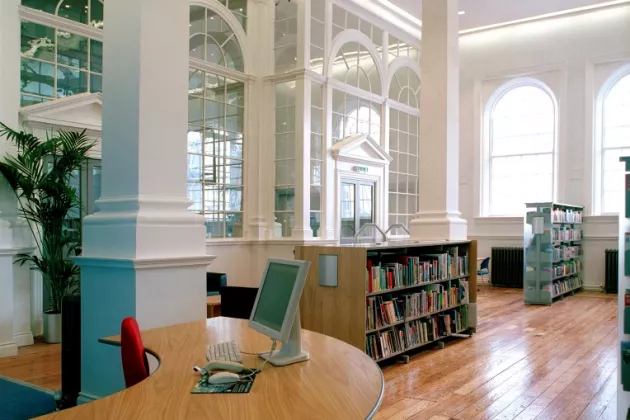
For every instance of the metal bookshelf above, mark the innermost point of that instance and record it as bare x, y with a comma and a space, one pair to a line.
553, 260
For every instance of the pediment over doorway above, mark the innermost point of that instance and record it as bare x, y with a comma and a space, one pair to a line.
360, 148
77, 112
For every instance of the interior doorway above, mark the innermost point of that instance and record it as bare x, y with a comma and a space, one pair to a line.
357, 207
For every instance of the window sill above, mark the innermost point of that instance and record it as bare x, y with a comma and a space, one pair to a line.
487, 220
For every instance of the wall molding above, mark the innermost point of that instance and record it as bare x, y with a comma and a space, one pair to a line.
145, 264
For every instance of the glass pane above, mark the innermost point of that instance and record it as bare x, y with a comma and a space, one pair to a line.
366, 204
195, 111
284, 199
37, 41
76, 10
283, 224
72, 50
47, 6
26, 100
70, 81
316, 198
96, 83
194, 140
215, 225
37, 78
96, 13
234, 225
316, 221
195, 195
96, 185
347, 209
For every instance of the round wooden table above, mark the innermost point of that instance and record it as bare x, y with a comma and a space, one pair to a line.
338, 382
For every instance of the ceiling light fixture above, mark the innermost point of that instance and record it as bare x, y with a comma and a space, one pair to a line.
461, 12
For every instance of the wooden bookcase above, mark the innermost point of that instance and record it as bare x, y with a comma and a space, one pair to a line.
340, 309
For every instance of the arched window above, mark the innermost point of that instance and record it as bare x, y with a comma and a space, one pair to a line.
89, 12
355, 66
404, 138
216, 124
521, 130
615, 143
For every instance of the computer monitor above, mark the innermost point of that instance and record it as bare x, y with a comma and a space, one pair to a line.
275, 311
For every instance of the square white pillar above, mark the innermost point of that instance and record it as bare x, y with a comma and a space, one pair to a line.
438, 216
144, 253
9, 107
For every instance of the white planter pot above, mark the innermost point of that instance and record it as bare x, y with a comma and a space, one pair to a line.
52, 328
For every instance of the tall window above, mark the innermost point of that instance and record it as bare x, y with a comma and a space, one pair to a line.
56, 63
216, 123
404, 138
89, 12
520, 167
615, 143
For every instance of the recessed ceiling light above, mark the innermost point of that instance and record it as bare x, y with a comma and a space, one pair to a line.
462, 12
67, 6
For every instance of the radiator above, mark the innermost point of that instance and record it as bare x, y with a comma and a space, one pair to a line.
611, 268
507, 267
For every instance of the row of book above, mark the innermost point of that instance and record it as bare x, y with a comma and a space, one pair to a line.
566, 233
433, 298
383, 344
566, 268
383, 310
566, 216
566, 285
406, 270
566, 252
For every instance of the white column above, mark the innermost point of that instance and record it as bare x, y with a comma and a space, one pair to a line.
438, 216
9, 105
144, 254
258, 178
302, 204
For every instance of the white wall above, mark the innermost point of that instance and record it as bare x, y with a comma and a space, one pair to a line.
575, 56
244, 262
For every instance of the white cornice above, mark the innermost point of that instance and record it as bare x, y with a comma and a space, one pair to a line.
145, 264
562, 13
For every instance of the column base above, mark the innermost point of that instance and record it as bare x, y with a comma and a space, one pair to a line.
8, 349
439, 226
23, 339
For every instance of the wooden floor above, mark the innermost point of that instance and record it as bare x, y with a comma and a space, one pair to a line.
526, 362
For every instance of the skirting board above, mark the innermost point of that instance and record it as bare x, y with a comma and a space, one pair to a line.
8, 349
23, 339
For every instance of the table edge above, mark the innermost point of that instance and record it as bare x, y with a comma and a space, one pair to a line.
116, 343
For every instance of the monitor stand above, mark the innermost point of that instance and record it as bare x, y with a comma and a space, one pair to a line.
291, 351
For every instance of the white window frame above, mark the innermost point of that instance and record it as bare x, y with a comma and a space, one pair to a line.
598, 155
486, 157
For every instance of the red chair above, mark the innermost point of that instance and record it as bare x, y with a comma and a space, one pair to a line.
134, 359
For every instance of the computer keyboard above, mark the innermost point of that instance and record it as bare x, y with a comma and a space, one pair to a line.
226, 351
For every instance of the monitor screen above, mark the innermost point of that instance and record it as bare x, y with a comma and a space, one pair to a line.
275, 295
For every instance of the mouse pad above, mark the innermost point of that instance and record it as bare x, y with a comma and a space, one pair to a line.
242, 387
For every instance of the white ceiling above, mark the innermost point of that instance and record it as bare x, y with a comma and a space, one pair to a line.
491, 12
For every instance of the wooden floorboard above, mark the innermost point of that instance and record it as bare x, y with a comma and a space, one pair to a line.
525, 362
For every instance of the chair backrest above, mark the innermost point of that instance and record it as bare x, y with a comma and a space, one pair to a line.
214, 283
238, 302
134, 359
485, 263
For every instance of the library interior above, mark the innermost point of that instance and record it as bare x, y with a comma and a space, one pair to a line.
377, 209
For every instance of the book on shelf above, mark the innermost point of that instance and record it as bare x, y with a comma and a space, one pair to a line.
434, 298
383, 311
411, 270
416, 333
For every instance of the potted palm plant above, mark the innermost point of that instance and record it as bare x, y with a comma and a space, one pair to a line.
39, 173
